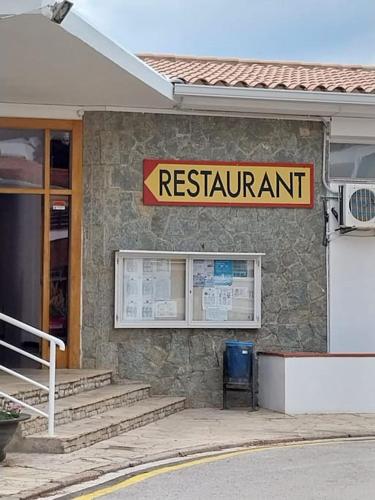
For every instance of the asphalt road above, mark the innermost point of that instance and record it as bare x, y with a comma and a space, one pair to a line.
335, 470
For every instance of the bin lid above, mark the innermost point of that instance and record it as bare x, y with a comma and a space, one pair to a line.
238, 343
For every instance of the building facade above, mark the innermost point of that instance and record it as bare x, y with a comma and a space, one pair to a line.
188, 361
74, 186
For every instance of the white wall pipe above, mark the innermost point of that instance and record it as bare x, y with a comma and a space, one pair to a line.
326, 137
51, 392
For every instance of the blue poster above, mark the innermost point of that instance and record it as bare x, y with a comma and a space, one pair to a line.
223, 272
223, 267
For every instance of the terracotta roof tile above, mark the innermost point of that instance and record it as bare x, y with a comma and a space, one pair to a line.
264, 74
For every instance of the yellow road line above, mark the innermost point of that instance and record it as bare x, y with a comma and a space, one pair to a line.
142, 476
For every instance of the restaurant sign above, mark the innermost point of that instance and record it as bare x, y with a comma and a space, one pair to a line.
211, 183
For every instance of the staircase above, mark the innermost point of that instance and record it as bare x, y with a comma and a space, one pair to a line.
89, 408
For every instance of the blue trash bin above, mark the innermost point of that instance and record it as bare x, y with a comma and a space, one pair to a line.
238, 361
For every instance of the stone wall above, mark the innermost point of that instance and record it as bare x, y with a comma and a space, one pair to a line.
188, 361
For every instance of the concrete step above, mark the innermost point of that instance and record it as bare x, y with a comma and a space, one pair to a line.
71, 437
87, 404
68, 382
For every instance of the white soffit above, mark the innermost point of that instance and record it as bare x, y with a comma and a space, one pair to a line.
73, 65
283, 102
352, 129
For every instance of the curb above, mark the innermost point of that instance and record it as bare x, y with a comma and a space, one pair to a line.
93, 474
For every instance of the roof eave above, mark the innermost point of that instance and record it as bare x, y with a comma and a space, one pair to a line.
81, 29
293, 102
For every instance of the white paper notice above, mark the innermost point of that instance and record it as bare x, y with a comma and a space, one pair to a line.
133, 286
132, 310
216, 314
199, 267
208, 298
166, 309
147, 310
147, 286
209, 268
147, 290
162, 286
133, 266
224, 297
203, 273
149, 266
241, 292
163, 266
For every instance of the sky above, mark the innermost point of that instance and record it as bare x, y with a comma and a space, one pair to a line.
341, 31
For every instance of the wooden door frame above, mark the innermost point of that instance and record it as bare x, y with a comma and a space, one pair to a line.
72, 357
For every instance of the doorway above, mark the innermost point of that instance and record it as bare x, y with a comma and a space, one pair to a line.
40, 232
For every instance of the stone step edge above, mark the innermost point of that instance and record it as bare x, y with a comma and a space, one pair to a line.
68, 444
164, 401
130, 396
35, 396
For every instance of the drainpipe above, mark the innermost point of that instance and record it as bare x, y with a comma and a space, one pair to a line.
327, 126
326, 137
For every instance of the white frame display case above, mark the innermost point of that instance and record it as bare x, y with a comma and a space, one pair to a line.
188, 322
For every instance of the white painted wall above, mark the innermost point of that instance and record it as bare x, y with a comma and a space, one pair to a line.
351, 267
352, 293
330, 385
271, 377
317, 384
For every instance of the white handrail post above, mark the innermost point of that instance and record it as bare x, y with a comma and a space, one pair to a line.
53, 341
51, 392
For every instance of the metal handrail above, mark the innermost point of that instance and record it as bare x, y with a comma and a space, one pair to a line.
51, 364
33, 330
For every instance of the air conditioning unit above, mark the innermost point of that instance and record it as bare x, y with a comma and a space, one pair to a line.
357, 206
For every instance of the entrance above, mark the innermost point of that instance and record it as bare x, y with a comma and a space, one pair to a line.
40, 234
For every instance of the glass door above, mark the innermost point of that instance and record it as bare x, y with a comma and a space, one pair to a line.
40, 231
21, 230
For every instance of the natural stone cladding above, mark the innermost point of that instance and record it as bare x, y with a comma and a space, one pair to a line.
188, 362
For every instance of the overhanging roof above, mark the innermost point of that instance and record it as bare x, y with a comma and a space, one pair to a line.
281, 75
73, 64
58, 69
